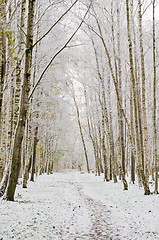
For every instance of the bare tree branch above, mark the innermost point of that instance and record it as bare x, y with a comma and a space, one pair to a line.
66, 44
54, 24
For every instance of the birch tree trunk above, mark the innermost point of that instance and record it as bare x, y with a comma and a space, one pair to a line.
18, 65
118, 76
99, 149
0, 39
34, 154
81, 132
112, 155
104, 153
3, 56
2, 73
132, 132
143, 92
154, 101
9, 93
94, 142
138, 85
28, 159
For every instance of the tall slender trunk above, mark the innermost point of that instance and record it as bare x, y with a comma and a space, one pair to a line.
118, 77
112, 155
3, 22
29, 128
132, 132
3, 56
99, 149
137, 77
28, 158
34, 154
81, 132
154, 100
0, 37
9, 136
121, 119
104, 149
18, 64
143, 93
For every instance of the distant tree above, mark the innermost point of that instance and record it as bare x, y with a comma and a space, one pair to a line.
80, 129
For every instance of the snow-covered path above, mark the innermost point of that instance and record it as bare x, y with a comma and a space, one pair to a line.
72, 206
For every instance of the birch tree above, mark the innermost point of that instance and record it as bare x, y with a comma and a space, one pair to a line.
143, 91
154, 99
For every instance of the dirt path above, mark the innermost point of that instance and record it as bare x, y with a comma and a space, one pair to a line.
98, 216
55, 208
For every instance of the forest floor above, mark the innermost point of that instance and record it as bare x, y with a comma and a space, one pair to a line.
72, 206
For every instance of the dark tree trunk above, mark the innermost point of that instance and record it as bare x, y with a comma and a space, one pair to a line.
34, 154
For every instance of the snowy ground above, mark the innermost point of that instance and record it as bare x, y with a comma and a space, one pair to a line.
72, 206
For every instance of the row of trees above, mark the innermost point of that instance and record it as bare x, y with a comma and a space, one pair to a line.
122, 121
108, 72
